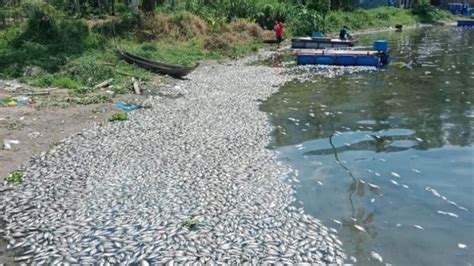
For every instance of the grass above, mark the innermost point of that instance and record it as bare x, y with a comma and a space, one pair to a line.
359, 19
14, 177
120, 116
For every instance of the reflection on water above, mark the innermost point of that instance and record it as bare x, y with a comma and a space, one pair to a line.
386, 158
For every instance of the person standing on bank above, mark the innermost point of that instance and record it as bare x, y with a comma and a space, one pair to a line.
279, 31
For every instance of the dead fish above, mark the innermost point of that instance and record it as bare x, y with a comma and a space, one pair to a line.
448, 213
373, 186
376, 256
461, 245
419, 227
336, 221
394, 182
433, 191
405, 186
416, 171
395, 174
360, 228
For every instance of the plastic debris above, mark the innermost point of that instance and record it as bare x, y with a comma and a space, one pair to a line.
22, 101
127, 107
7, 143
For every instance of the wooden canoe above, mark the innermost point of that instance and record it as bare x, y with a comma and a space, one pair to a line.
158, 67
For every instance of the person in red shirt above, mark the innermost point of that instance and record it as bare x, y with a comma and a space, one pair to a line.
279, 31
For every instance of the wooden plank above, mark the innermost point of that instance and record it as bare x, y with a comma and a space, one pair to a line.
339, 52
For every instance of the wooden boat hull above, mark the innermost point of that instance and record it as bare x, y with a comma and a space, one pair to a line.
320, 43
158, 67
343, 58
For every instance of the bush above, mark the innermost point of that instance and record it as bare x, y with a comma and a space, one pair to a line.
428, 14
245, 28
120, 116
57, 80
181, 26
46, 40
304, 21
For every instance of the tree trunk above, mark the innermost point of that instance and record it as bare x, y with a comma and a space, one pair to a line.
134, 7
112, 2
148, 6
77, 4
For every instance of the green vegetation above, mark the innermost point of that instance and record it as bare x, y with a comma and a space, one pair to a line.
14, 177
75, 43
120, 116
4, 101
190, 223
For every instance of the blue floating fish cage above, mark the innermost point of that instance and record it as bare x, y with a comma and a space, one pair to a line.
466, 23
460, 9
380, 56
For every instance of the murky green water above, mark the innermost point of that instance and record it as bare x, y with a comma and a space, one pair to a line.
389, 154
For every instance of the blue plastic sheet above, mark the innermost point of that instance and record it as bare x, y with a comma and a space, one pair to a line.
127, 107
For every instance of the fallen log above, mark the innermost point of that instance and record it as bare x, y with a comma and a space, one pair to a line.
103, 84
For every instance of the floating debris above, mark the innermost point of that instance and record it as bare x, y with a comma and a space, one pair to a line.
461, 245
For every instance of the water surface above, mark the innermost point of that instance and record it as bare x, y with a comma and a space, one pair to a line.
387, 157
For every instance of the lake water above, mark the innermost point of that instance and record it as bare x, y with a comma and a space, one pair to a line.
386, 157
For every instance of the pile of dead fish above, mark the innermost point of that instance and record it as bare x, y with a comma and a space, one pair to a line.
188, 180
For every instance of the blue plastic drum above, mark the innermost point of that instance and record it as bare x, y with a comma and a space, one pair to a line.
381, 45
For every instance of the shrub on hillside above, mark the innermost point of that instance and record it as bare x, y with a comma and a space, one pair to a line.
244, 27
180, 26
46, 40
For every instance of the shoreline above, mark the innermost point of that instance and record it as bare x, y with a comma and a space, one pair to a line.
199, 157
